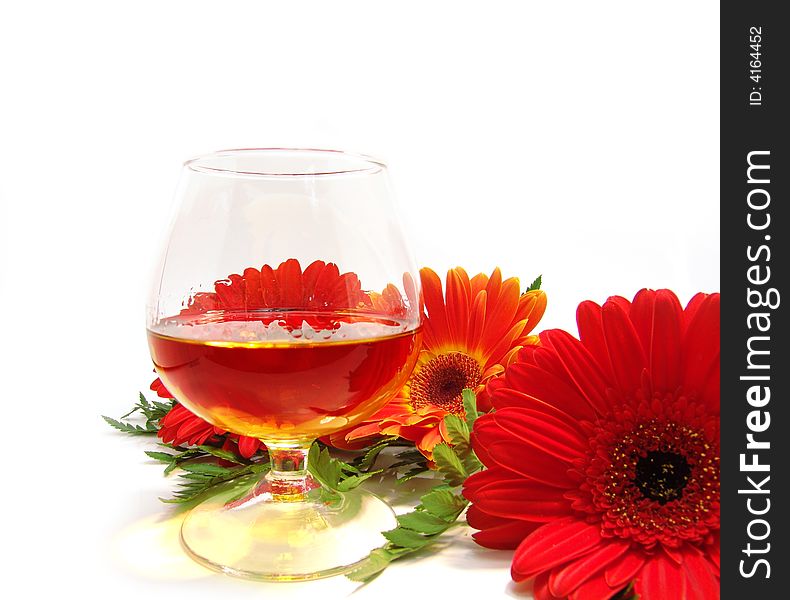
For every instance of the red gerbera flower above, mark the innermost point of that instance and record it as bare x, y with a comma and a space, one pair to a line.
182, 427
603, 454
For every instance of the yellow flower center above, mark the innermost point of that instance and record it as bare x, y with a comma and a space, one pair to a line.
440, 381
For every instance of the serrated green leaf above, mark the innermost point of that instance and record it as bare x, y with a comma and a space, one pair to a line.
372, 454
202, 477
535, 285
412, 473
323, 467
160, 456
470, 407
407, 538
352, 481
378, 560
457, 430
223, 454
443, 503
131, 412
129, 427
471, 463
412, 455
163, 407
423, 522
449, 465
206, 469
193, 485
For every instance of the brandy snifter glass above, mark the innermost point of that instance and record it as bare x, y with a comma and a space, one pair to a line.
286, 307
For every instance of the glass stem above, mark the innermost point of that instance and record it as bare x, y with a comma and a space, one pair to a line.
288, 478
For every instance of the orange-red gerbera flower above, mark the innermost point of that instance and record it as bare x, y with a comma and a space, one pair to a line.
603, 454
470, 333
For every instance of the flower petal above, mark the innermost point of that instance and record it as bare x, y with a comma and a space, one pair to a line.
624, 571
477, 319
588, 320
641, 316
692, 307
545, 432
540, 588
625, 349
289, 278
595, 588
520, 499
253, 298
486, 477
702, 580
554, 544
493, 289
270, 289
567, 578
457, 305
500, 312
497, 532
665, 365
701, 347
581, 368
517, 456
547, 387
662, 578
434, 305
496, 353
248, 446
309, 279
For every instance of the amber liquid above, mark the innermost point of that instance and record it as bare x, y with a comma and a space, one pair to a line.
283, 376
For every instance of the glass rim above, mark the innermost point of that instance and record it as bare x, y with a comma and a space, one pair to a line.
365, 164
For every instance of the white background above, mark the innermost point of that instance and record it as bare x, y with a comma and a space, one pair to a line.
575, 139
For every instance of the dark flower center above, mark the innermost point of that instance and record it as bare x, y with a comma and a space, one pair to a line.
440, 381
662, 476
653, 480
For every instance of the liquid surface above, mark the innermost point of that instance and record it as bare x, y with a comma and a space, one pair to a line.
283, 375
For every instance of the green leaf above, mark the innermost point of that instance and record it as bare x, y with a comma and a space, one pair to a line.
130, 428
471, 463
223, 454
352, 481
323, 467
131, 412
448, 463
206, 469
443, 503
378, 560
459, 437
423, 522
457, 429
407, 538
160, 409
369, 459
161, 456
412, 473
470, 407
412, 455
535, 285
193, 485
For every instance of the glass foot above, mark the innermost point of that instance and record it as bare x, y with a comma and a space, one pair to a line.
265, 536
